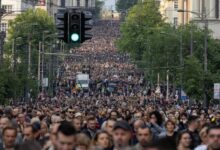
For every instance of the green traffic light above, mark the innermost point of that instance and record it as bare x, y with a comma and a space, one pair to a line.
75, 37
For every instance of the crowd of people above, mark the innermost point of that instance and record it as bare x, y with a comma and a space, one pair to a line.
127, 118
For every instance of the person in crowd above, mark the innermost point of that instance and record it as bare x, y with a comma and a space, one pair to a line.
170, 132
102, 140
91, 127
82, 142
203, 136
66, 137
184, 141
144, 137
213, 138
29, 145
183, 122
156, 123
109, 125
28, 133
193, 125
69, 114
77, 123
9, 138
122, 134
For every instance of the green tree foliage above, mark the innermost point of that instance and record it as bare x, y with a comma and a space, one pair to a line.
123, 5
26, 30
155, 46
98, 7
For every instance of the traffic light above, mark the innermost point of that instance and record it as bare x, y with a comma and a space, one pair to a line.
86, 25
62, 24
74, 26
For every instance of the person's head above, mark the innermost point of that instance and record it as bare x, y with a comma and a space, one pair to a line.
102, 139
138, 123
122, 133
170, 126
44, 128
183, 118
144, 135
203, 135
110, 125
138, 116
65, 136
53, 133
4, 122
214, 137
70, 113
21, 118
82, 141
91, 123
184, 140
114, 115
28, 133
193, 122
55, 119
9, 136
156, 117
77, 124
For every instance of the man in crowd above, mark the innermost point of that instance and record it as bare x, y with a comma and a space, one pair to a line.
193, 125
214, 138
65, 137
144, 136
9, 137
28, 133
122, 134
77, 123
91, 127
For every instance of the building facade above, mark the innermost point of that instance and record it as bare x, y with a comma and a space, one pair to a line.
192, 10
12, 8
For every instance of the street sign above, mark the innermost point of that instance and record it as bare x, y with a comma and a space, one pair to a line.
45, 82
217, 91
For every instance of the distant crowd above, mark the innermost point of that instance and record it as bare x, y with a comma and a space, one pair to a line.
118, 112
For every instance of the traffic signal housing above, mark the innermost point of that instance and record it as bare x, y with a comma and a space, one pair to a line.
62, 24
86, 26
75, 26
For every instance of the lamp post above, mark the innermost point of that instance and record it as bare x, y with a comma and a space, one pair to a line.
203, 17
181, 62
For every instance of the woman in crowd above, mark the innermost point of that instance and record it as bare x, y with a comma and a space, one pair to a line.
184, 141
102, 140
82, 142
156, 123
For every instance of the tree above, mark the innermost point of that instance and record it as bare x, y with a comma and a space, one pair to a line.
26, 31
123, 5
155, 46
98, 7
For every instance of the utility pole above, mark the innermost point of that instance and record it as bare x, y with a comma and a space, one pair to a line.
204, 19
13, 54
39, 66
191, 40
29, 59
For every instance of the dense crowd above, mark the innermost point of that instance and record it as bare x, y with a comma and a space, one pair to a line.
131, 117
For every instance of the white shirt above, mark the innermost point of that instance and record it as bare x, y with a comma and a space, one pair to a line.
201, 147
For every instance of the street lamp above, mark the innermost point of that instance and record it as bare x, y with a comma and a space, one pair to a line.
181, 63
203, 18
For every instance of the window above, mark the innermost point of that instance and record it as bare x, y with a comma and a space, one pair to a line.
4, 26
175, 4
8, 8
175, 21
87, 3
78, 3
216, 9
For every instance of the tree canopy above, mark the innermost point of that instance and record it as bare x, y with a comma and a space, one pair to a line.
157, 46
26, 31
